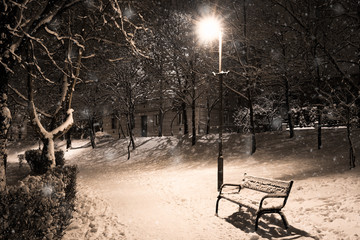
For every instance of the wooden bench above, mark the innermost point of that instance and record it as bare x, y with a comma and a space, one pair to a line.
269, 196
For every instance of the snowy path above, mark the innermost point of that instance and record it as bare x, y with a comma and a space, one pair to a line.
180, 205
167, 190
158, 200
165, 205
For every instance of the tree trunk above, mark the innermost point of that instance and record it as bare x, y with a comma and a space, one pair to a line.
68, 139
193, 103
5, 118
318, 85
287, 102
6, 20
252, 123
251, 115
357, 104
319, 128
121, 129
193, 109
92, 133
131, 140
48, 137
172, 123
92, 139
185, 121
161, 121
48, 152
132, 126
208, 117
161, 110
351, 148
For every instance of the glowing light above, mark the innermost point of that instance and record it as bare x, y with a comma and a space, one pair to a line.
209, 28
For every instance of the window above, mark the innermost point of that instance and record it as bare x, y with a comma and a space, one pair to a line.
180, 118
113, 122
156, 120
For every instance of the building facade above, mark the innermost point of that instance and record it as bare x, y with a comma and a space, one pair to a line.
147, 120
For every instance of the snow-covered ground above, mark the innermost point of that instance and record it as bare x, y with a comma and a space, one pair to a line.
168, 189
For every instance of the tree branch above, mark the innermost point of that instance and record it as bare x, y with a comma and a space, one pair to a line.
27, 100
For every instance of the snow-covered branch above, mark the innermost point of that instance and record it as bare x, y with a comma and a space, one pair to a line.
65, 126
48, 53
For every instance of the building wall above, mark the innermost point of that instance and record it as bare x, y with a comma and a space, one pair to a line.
172, 123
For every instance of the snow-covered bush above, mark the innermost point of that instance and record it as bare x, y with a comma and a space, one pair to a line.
264, 116
40, 166
308, 116
304, 116
241, 119
40, 207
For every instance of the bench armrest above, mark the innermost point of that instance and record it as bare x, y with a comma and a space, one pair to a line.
229, 185
284, 196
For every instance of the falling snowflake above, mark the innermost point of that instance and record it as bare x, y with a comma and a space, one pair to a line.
338, 9
129, 13
47, 190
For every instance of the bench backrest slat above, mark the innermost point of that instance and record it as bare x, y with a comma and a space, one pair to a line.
266, 185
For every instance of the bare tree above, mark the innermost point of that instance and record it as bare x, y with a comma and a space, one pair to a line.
31, 32
330, 43
128, 87
177, 67
245, 61
19, 21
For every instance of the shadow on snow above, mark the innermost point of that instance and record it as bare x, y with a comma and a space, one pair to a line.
270, 225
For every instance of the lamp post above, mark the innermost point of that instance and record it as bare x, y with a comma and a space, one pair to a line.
221, 118
209, 28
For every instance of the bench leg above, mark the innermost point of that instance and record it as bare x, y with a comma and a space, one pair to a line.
257, 221
258, 215
217, 205
286, 224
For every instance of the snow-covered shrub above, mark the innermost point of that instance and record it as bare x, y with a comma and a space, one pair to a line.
304, 116
241, 119
38, 165
264, 116
308, 116
33, 158
40, 207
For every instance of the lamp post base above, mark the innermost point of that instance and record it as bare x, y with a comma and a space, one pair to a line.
220, 171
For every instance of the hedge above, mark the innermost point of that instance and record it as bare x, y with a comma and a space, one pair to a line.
39, 165
40, 207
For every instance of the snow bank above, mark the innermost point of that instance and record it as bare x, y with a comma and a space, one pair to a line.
93, 219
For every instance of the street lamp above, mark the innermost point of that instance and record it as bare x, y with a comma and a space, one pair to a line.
208, 29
